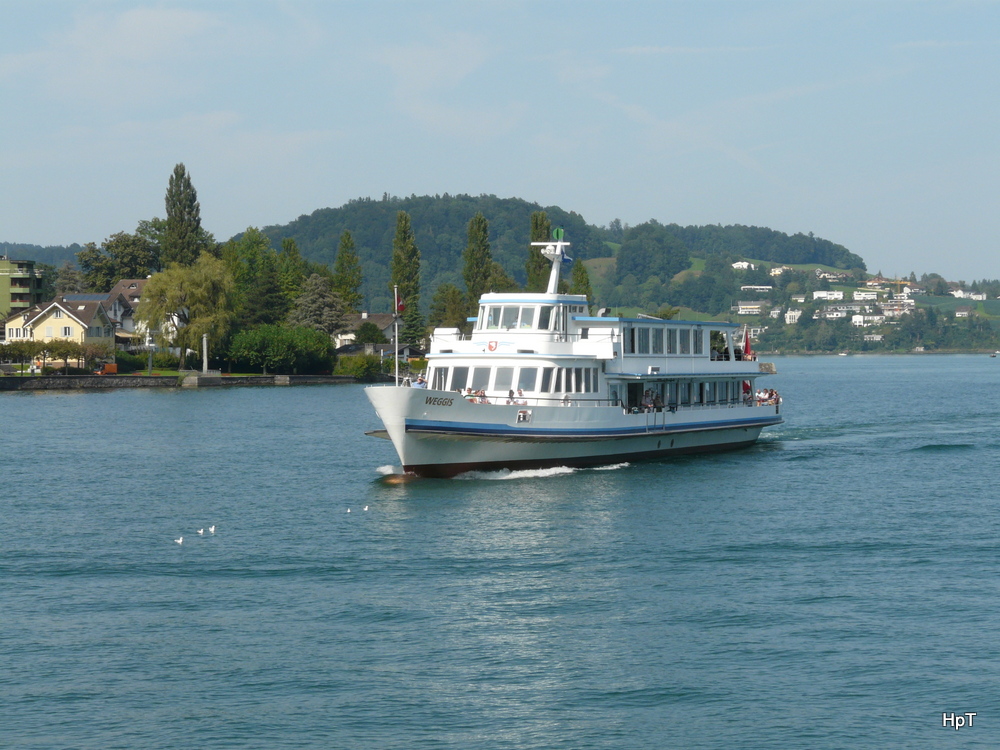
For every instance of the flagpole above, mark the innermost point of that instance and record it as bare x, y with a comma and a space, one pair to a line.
395, 324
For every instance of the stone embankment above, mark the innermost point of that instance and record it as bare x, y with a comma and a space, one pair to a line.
71, 382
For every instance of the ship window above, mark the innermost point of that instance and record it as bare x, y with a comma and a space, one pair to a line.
526, 378
480, 378
459, 378
527, 317
509, 318
628, 339
593, 379
546, 377
643, 341
698, 397
685, 341
672, 341
578, 379
438, 378
709, 393
657, 341
586, 380
544, 317
482, 315
561, 380
699, 341
493, 319
685, 393
505, 376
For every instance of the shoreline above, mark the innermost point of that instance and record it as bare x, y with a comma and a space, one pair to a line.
197, 380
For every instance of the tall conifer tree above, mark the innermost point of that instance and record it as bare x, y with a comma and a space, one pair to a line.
405, 267
579, 282
478, 261
538, 267
184, 238
347, 276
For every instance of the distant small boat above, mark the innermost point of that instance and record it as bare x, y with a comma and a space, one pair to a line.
842, 354
994, 354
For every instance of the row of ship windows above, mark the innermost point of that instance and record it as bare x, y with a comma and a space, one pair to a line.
528, 379
651, 341
683, 393
506, 317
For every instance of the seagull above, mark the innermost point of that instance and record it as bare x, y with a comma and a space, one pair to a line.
211, 529
201, 532
348, 510
180, 541
366, 507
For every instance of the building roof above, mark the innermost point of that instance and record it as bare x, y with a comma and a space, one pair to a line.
130, 289
353, 321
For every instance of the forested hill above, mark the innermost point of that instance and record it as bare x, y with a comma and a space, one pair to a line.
650, 254
54, 255
440, 224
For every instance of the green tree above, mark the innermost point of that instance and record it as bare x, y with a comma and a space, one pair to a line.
266, 303
122, 256
499, 281
448, 308
537, 266
413, 330
184, 302
405, 265
369, 333
183, 237
153, 231
318, 307
292, 269
289, 350
478, 260
347, 277
69, 280
579, 282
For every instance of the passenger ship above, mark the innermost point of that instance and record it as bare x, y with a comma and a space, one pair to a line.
540, 383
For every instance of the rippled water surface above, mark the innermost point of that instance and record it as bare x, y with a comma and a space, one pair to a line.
836, 586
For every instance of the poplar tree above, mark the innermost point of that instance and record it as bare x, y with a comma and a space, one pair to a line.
347, 276
405, 269
292, 269
478, 261
183, 238
579, 282
405, 266
537, 267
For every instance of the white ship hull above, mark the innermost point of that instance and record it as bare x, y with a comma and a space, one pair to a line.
440, 434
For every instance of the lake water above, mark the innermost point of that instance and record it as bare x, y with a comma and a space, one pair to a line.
836, 586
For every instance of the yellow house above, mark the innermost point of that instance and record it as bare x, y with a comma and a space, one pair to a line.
82, 322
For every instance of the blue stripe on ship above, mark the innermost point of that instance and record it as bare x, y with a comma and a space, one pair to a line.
470, 428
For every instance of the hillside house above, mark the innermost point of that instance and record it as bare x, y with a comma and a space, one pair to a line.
353, 321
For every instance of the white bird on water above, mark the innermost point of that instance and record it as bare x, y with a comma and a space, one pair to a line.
180, 541
201, 532
348, 510
211, 529
366, 507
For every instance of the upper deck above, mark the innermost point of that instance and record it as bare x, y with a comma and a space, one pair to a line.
558, 327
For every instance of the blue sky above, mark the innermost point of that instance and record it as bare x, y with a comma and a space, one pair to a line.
872, 124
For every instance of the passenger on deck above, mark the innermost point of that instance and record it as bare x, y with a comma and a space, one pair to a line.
520, 398
421, 383
510, 397
647, 401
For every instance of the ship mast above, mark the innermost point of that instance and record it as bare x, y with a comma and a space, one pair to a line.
556, 252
